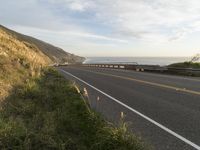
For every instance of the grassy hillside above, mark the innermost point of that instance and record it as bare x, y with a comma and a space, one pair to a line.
18, 61
54, 53
41, 110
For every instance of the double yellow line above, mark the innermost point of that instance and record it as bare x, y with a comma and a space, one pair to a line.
147, 82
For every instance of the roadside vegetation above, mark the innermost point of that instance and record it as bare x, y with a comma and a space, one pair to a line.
195, 65
41, 110
48, 113
54, 53
187, 65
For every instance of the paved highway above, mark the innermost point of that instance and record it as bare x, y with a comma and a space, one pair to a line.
163, 109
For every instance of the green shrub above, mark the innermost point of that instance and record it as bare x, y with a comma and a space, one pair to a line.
186, 65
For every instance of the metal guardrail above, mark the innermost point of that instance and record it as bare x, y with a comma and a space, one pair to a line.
127, 66
152, 68
117, 63
114, 66
184, 69
190, 71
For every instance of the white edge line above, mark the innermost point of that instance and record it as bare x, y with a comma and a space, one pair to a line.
140, 114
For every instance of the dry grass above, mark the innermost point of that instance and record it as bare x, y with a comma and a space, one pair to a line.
42, 110
47, 113
18, 61
56, 54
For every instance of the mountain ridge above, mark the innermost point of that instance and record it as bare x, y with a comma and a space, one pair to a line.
56, 54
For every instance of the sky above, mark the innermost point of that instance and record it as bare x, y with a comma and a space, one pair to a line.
117, 28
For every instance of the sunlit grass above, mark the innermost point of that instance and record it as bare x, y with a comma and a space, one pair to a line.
18, 61
49, 113
41, 110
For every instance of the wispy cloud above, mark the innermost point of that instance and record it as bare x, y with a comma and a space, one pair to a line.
130, 24
137, 18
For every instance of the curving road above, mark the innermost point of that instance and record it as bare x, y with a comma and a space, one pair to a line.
163, 109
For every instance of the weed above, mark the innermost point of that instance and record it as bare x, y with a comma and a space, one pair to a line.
48, 113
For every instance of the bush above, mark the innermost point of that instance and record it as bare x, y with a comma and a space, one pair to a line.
186, 65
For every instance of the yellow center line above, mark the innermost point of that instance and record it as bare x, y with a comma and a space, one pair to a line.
147, 82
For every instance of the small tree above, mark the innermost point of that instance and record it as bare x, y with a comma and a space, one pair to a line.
196, 58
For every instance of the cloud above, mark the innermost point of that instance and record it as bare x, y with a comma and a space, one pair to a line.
80, 6
138, 18
142, 17
74, 5
64, 33
77, 6
28, 13
179, 34
120, 23
127, 19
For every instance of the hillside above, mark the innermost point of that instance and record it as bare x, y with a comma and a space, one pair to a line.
54, 53
18, 60
41, 110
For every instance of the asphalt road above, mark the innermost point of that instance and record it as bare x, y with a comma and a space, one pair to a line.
163, 110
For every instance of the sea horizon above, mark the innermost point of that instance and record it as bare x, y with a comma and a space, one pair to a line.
162, 61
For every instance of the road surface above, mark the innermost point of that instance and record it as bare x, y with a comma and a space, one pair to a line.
163, 110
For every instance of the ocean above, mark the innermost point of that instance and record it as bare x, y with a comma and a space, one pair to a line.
162, 61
